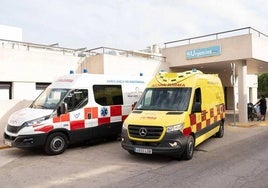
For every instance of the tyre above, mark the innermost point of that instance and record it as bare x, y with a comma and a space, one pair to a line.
220, 133
189, 150
56, 143
131, 152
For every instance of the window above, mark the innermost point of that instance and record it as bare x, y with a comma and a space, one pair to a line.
197, 101
167, 99
5, 90
41, 86
76, 99
197, 95
49, 98
106, 95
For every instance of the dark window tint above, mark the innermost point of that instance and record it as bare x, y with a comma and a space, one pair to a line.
106, 95
5, 90
167, 99
76, 99
41, 86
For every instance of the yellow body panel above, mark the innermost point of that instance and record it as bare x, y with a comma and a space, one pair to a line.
205, 89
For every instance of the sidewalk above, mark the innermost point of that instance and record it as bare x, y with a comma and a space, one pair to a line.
228, 122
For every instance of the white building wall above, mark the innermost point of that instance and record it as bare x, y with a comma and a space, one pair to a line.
10, 33
260, 47
133, 66
34, 66
252, 83
24, 90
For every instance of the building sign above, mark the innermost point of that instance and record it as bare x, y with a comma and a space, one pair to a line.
203, 52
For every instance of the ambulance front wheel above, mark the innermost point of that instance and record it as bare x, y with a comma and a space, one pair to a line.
189, 149
56, 143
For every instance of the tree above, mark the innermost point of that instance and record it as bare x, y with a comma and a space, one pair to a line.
263, 84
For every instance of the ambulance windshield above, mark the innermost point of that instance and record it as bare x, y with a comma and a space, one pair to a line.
166, 99
49, 99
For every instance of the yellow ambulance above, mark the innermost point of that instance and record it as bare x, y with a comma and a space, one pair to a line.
176, 112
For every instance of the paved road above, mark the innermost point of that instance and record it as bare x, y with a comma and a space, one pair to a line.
239, 159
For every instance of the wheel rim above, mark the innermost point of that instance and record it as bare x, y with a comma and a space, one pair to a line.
191, 148
57, 144
222, 130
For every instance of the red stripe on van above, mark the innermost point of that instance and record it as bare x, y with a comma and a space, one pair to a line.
56, 119
116, 110
212, 112
79, 124
187, 131
207, 122
61, 118
198, 126
192, 119
91, 113
65, 117
45, 129
204, 115
104, 120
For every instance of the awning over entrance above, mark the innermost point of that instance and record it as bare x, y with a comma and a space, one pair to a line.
246, 48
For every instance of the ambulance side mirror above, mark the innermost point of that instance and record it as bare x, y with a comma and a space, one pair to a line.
133, 105
196, 107
62, 109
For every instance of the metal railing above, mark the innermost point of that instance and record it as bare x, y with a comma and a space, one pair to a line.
33, 46
80, 52
115, 51
245, 30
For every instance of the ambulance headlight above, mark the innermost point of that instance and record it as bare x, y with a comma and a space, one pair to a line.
35, 121
173, 128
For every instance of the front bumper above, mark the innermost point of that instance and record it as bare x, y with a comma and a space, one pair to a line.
25, 141
173, 144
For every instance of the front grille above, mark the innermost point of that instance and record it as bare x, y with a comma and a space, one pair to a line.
145, 132
13, 129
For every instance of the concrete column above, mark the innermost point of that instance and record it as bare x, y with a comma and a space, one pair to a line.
242, 91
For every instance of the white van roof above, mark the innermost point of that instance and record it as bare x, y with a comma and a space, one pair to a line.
85, 80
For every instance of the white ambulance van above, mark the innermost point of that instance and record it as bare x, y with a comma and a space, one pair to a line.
74, 108
176, 112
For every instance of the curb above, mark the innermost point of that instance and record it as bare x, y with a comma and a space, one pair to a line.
265, 123
243, 125
249, 124
4, 147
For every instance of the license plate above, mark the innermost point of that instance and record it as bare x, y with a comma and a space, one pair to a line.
6, 142
143, 150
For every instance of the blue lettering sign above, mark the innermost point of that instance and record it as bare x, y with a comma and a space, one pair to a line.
203, 52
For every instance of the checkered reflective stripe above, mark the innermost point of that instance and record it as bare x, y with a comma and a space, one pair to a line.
88, 117
206, 118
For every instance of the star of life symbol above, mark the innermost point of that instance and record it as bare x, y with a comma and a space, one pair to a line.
104, 111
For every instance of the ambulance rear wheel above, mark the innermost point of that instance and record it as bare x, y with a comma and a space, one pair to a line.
189, 150
56, 143
220, 133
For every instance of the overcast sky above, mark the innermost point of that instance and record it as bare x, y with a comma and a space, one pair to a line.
128, 24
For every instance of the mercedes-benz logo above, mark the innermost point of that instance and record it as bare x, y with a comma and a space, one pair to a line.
143, 131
